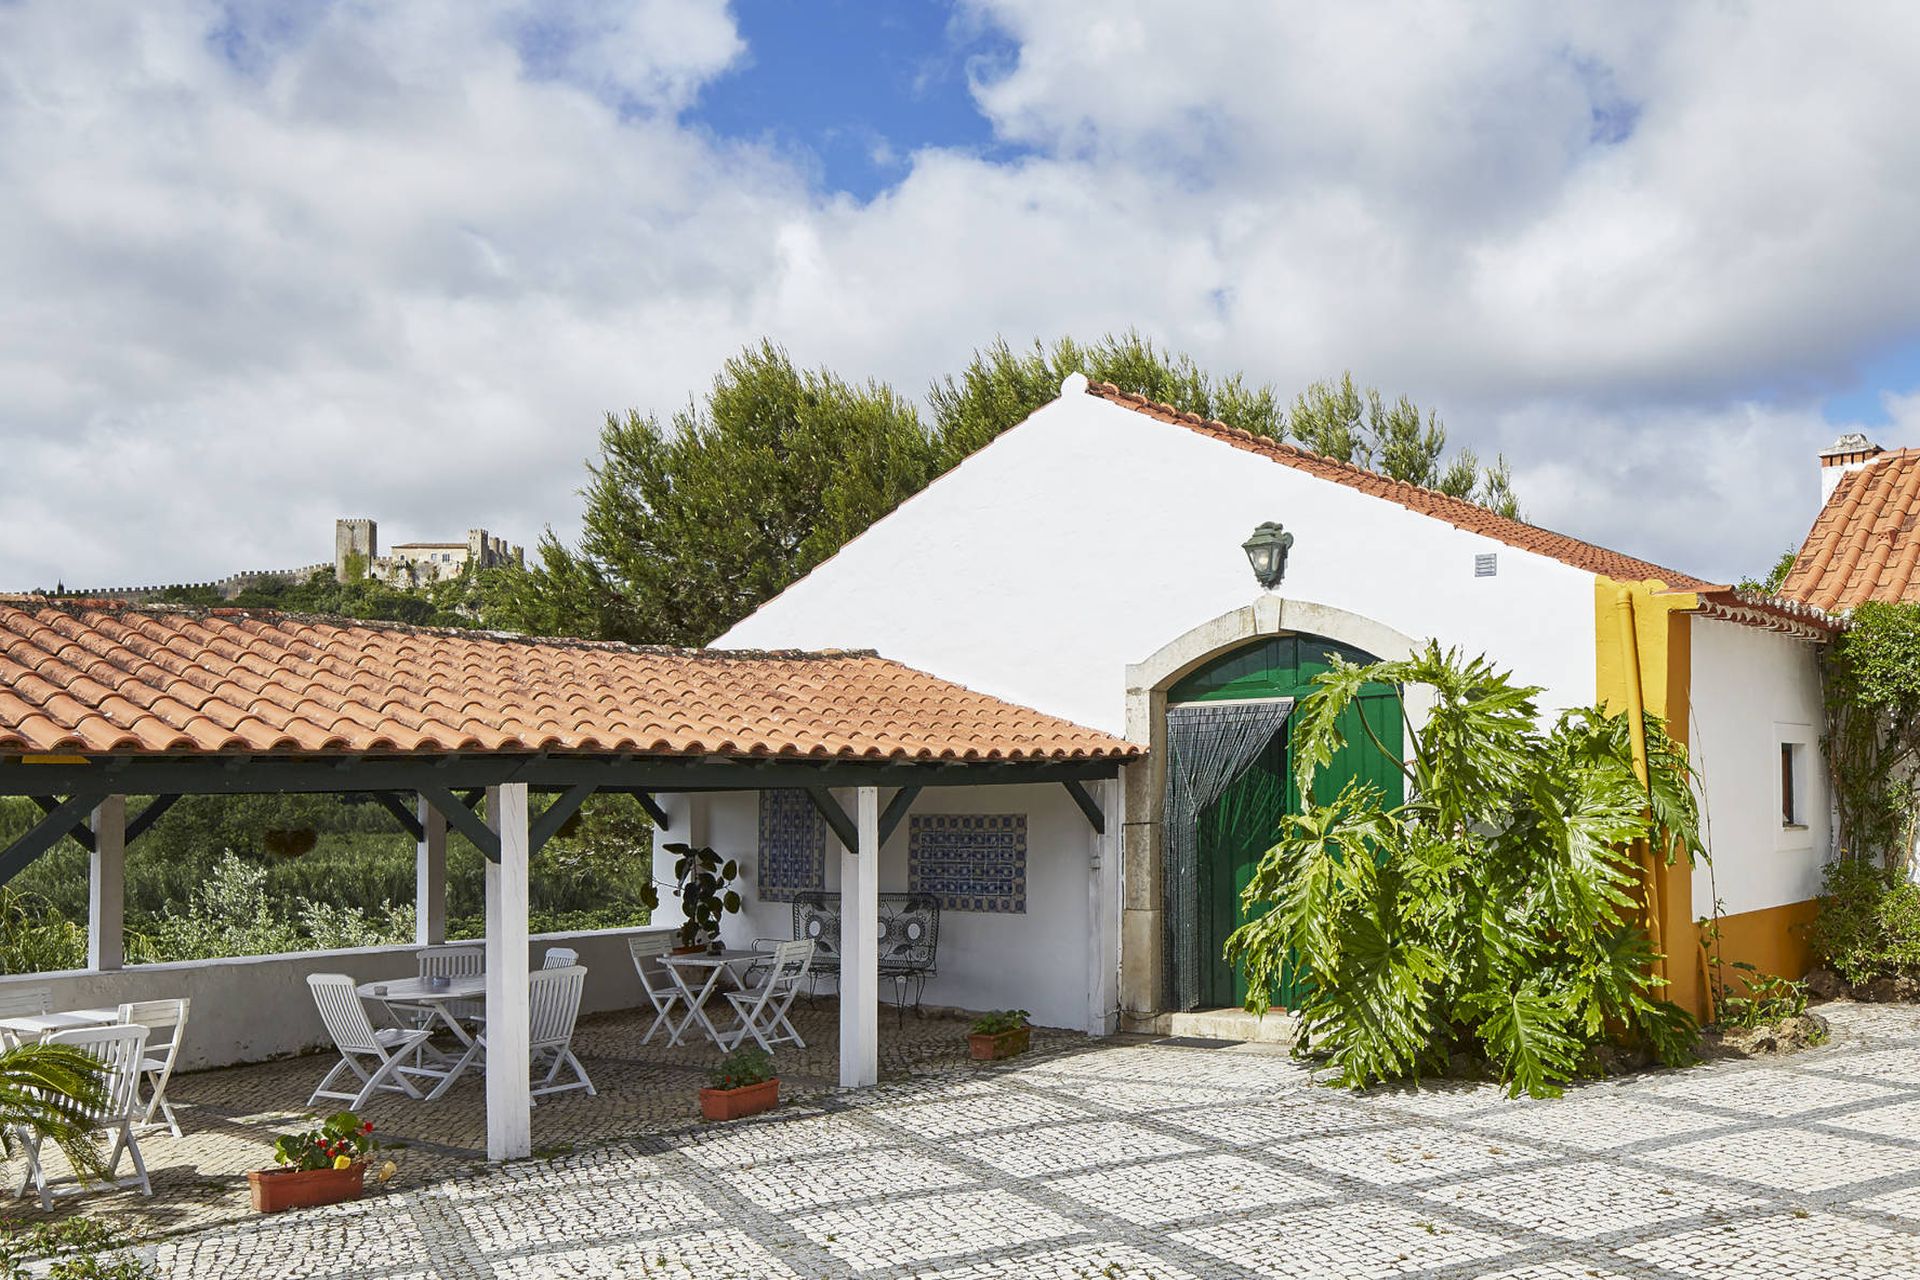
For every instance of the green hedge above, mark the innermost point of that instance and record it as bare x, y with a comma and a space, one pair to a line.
1869, 922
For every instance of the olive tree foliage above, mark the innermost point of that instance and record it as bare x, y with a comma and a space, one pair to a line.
692, 523
1001, 386
1359, 426
1495, 912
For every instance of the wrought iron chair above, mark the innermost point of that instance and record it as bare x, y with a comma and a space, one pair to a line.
909, 944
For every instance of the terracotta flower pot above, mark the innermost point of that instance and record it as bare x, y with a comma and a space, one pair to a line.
277, 1189
985, 1046
748, 1099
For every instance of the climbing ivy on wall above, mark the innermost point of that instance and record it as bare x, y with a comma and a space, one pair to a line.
1872, 742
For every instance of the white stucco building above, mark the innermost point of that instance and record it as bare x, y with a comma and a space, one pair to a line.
1088, 563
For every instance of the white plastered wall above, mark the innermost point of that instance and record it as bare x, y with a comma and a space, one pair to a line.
1037, 960
1090, 536
1752, 690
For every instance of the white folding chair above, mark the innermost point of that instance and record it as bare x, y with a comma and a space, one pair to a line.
762, 1010
553, 1001
454, 962
166, 1023
120, 1050
355, 1037
655, 981
16, 1002
560, 958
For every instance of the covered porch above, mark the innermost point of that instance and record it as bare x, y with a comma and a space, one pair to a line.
503, 740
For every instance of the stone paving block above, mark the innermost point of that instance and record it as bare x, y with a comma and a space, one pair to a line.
1409, 1153
921, 1228
794, 1185
1767, 1091
1164, 1191
555, 1212
1816, 1246
1063, 1148
706, 1255
1596, 1119
1363, 1238
1077, 1262
1276, 1123
1588, 1198
1797, 1162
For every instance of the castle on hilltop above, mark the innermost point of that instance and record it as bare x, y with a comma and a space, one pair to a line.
356, 551
356, 554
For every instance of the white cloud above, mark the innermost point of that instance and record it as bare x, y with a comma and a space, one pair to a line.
398, 260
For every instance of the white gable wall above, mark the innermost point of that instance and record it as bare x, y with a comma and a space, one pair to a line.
1753, 690
1090, 535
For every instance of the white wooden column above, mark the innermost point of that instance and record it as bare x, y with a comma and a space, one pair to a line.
430, 877
860, 949
1103, 912
107, 886
509, 1089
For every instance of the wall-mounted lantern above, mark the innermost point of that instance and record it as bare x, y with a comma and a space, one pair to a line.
1267, 553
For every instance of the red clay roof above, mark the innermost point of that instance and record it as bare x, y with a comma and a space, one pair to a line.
1428, 502
99, 678
1863, 545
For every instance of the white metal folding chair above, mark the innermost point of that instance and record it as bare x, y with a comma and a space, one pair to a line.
120, 1050
762, 1010
166, 1023
17, 1002
455, 962
655, 981
553, 1001
560, 958
355, 1037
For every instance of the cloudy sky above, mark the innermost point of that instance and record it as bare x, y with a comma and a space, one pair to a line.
262, 264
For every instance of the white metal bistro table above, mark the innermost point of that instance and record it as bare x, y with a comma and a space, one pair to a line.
36, 1026
417, 993
680, 966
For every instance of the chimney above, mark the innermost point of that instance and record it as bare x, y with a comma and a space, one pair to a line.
1850, 452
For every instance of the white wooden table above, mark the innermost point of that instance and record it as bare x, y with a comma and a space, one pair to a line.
35, 1026
416, 993
693, 963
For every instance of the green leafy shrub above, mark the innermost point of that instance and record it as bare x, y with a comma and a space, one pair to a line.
1869, 921
999, 1022
747, 1065
72, 1243
1761, 1000
1495, 912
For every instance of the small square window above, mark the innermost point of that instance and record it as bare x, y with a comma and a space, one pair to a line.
1486, 565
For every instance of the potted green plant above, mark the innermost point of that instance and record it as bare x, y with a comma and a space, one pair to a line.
999, 1034
317, 1166
742, 1085
705, 882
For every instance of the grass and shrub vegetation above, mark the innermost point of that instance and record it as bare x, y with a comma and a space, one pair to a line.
204, 882
1869, 923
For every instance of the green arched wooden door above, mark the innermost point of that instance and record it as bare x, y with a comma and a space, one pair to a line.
1238, 828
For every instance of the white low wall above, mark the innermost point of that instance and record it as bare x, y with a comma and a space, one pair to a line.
251, 1008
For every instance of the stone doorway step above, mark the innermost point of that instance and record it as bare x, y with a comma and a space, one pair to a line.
1237, 1025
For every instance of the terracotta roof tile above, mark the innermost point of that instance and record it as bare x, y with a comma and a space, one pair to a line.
102, 678
1428, 502
1864, 544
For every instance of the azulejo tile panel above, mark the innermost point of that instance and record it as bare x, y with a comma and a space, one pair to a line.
793, 846
970, 861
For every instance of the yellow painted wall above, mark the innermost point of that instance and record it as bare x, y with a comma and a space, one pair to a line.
1662, 631
1772, 940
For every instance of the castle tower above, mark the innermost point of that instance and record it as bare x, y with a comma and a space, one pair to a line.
359, 539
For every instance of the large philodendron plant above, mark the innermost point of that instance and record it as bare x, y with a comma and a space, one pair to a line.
1495, 912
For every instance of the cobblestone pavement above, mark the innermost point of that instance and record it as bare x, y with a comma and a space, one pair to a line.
1137, 1159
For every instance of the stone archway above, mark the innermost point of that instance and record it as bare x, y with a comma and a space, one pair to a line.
1142, 919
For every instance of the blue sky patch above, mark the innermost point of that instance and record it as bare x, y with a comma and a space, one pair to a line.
1895, 371
857, 85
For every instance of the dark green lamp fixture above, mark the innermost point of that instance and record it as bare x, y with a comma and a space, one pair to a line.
1267, 553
